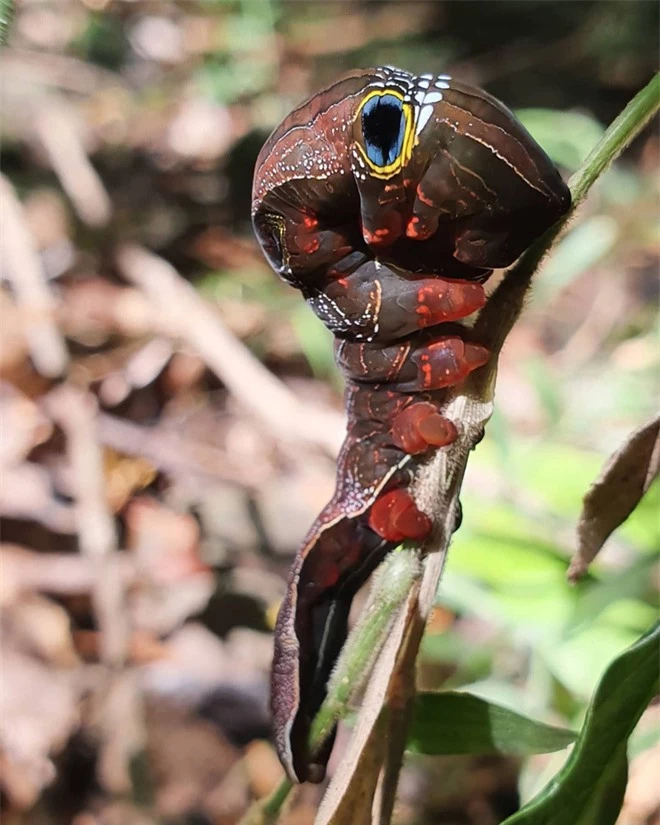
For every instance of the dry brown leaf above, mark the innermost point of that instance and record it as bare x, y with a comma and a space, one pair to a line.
625, 478
124, 476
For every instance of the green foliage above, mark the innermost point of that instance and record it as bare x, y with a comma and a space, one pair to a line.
6, 17
454, 723
589, 789
103, 41
566, 136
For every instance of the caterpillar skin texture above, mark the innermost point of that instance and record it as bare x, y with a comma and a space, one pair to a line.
387, 200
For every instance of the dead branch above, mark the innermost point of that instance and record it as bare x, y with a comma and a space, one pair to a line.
57, 130
172, 453
75, 412
245, 377
118, 713
27, 571
22, 268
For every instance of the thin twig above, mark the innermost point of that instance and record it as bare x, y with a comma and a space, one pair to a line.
42, 68
173, 453
118, 712
245, 377
26, 571
22, 268
56, 127
75, 412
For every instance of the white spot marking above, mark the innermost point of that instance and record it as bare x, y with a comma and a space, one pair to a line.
424, 116
433, 97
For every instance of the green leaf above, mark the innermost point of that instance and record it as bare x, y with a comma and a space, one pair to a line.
6, 18
584, 247
589, 789
597, 595
566, 136
453, 723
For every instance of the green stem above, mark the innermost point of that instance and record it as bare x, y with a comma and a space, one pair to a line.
621, 131
272, 805
391, 584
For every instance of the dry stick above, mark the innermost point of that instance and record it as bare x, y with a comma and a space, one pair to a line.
22, 268
27, 571
60, 135
56, 70
438, 483
75, 411
173, 453
190, 317
117, 703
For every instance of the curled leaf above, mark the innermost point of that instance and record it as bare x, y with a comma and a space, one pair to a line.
614, 495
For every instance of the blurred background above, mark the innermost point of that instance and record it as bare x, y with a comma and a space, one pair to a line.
170, 411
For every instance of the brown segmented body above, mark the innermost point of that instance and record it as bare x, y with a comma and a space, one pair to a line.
387, 199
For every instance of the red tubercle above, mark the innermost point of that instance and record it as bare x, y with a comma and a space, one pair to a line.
421, 426
475, 356
395, 517
447, 300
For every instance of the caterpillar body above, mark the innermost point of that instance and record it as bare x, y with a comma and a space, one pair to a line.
387, 200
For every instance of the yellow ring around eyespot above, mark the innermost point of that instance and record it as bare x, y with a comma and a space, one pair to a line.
385, 172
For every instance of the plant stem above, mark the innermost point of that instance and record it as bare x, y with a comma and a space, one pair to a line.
621, 131
391, 585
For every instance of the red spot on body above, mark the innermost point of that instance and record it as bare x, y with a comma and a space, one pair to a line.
389, 230
394, 517
311, 246
414, 230
310, 222
424, 198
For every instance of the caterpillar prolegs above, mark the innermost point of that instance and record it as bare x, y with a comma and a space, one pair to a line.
387, 200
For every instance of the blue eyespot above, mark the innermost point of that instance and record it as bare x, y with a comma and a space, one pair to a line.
383, 129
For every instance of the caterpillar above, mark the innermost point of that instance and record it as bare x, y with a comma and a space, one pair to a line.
387, 199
